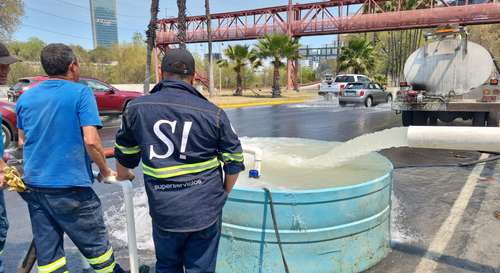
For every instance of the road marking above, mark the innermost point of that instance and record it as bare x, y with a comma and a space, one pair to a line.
428, 263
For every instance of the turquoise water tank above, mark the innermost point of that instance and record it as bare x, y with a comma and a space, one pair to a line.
339, 229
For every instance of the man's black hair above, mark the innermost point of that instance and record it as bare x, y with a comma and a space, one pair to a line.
179, 77
56, 59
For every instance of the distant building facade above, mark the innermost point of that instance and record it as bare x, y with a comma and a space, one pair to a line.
104, 23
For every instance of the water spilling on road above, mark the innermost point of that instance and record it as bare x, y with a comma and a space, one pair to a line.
332, 105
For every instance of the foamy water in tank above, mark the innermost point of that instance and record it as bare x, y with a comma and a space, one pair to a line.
287, 165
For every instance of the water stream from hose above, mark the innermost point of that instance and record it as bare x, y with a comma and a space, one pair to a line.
359, 146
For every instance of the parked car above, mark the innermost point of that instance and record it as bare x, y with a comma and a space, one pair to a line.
369, 94
110, 100
9, 120
330, 86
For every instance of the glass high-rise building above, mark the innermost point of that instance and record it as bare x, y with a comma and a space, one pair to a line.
104, 24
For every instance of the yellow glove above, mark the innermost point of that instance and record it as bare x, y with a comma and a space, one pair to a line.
13, 179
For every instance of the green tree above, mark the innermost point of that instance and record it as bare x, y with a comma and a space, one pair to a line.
101, 55
396, 46
307, 74
11, 12
240, 57
358, 56
23, 69
82, 54
277, 47
131, 63
487, 36
29, 50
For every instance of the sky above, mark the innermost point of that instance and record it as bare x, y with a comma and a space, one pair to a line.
68, 21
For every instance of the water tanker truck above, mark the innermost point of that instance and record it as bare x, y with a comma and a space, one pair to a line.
449, 78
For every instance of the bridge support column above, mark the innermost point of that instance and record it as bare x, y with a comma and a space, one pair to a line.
157, 64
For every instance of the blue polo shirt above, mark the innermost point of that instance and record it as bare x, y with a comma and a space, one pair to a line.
51, 115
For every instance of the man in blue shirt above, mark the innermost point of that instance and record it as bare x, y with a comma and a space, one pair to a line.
57, 122
5, 61
181, 139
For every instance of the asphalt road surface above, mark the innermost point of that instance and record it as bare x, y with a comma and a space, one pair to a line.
442, 216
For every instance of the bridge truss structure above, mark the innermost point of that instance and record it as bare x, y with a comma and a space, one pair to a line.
328, 17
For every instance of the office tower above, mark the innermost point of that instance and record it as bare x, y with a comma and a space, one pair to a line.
104, 24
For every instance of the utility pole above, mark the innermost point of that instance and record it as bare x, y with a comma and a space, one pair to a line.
182, 24
151, 37
211, 87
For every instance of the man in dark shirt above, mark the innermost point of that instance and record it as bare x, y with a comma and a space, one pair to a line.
181, 138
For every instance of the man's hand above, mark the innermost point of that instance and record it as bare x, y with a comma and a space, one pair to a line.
107, 172
128, 175
3, 184
124, 173
229, 181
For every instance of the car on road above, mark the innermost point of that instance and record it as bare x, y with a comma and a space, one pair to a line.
9, 120
369, 94
333, 86
110, 100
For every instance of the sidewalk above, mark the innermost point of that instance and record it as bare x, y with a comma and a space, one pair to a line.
259, 98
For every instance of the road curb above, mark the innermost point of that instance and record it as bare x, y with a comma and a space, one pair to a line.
253, 104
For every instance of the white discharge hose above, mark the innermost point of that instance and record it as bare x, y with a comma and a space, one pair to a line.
128, 194
455, 138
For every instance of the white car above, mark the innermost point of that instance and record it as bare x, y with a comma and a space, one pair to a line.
334, 87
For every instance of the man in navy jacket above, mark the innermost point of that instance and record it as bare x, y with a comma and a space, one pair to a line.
181, 139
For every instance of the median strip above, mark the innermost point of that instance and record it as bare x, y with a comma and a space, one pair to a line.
253, 104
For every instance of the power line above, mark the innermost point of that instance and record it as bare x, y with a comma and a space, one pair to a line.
71, 19
58, 16
56, 32
88, 8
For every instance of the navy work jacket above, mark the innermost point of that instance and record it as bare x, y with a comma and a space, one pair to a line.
183, 141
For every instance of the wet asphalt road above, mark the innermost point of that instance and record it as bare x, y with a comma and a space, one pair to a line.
423, 196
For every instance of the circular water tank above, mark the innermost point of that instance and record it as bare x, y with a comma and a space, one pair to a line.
328, 229
444, 66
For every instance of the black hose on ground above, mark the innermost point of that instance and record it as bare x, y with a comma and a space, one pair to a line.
461, 164
276, 230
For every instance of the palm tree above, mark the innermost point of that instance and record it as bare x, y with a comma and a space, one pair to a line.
151, 37
277, 47
358, 56
181, 24
398, 45
240, 57
295, 57
210, 57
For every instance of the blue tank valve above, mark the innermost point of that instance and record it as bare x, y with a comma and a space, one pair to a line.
253, 174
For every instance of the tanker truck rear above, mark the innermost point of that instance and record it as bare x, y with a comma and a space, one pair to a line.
449, 78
